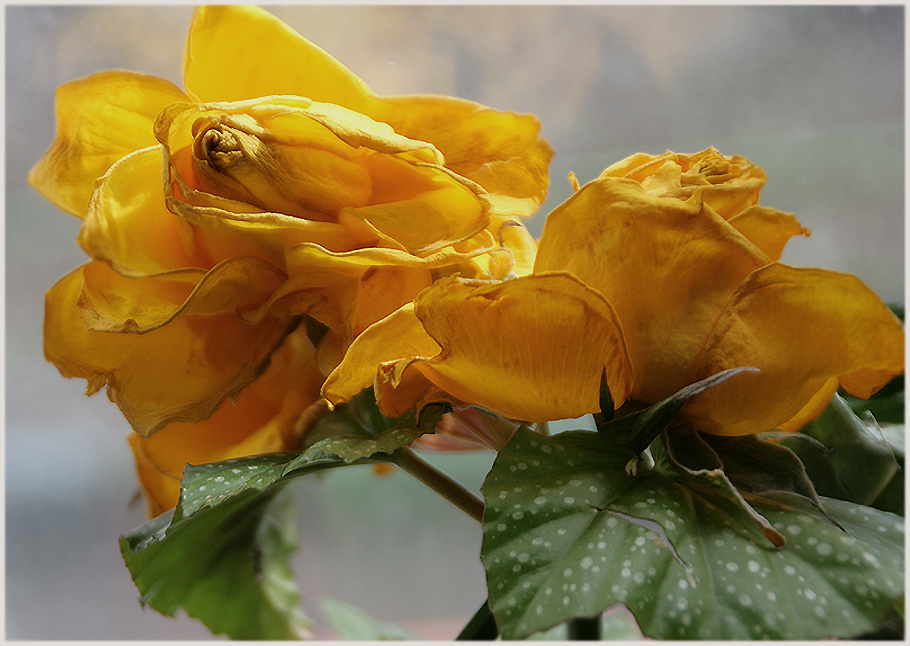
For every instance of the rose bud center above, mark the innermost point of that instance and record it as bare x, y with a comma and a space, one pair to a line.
295, 167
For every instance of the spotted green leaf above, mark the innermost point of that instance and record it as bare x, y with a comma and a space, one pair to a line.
222, 556
567, 533
353, 446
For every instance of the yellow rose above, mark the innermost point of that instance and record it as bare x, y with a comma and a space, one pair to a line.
289, 189
728, 185
267, 416
656, 293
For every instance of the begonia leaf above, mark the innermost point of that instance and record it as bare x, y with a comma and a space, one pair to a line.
571, 534
227, 566
638, 429
223, 554
859, 463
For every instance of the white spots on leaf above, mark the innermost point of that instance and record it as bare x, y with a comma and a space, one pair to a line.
754, 566
586, 562
733, 567
539, 500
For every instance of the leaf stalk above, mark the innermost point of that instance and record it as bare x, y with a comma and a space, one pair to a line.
440, 483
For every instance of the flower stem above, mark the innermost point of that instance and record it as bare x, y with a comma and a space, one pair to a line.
584, 628
482, 626
440, 483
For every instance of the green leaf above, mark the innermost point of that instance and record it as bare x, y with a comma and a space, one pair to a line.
226, 566
638, 429
571, 534
408, 428
690, 454
223, 554
862, 462
353, 624
357, 429
886, 405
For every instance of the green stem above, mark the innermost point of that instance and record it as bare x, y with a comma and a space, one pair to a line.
585, 628
482, 626
440, 483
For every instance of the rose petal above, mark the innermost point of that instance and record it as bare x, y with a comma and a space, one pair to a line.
727, 184
768, 229
112, 302
238, 52
668, 267
399, 335
129, 225
100, 119
532, 348
501, 151
801, 327
179, 372
427, 209
813, 409
326, 285
262, 419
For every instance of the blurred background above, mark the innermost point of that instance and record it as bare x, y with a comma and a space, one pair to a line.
813, 94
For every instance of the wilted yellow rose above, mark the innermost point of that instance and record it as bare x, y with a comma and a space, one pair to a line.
656, 289
267, 416
289, 189
730, 186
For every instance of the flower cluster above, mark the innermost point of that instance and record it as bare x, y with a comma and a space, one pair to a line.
308, 239
290, 190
